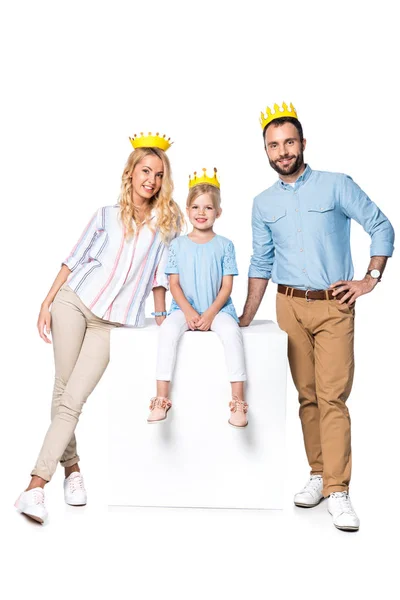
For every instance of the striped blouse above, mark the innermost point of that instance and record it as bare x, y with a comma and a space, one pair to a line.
114, 276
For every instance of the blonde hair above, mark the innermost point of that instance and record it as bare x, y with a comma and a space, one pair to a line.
169, 217
204, 188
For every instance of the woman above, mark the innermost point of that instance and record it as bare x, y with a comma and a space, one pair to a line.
104, 282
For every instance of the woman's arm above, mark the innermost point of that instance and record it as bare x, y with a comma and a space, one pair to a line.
159, 302
191, 315
209, 315
44, 319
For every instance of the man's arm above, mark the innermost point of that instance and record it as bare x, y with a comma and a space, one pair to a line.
260, 266
255, 293
356, 205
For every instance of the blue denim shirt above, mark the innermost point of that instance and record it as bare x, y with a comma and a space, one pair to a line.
301, 234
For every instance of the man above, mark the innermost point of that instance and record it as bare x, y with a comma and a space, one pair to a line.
301, 239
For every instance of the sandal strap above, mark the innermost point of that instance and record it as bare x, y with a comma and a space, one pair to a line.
160, 402
238, 405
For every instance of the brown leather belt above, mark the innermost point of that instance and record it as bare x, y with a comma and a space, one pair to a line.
309, 294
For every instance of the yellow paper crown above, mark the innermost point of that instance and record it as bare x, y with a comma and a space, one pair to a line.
150, 141
204, 179
279, 112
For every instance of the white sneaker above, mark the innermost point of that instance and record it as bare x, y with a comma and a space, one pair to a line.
311, 494
344, 516
31, 504
74, 490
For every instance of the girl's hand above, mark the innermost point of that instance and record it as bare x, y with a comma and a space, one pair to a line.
159, 320
205, 321
44, 322
192, 317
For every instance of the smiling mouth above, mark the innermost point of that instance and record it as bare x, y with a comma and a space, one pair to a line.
286, 160
148, 188
201, 220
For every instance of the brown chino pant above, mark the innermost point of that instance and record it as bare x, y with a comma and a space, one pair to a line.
81, 343
321, 358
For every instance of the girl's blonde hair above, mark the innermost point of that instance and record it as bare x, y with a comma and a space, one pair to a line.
169, 217
204, 188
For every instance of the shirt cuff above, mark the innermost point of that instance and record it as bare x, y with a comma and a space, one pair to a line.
382, 249
171, 271
257, 274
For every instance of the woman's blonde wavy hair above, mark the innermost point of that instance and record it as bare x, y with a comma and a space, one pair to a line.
169, 217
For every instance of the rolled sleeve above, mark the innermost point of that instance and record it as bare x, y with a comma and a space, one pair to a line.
80, 253
263, 256
356, 205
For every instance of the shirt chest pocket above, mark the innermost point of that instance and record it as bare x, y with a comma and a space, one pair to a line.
277, 221
322, 218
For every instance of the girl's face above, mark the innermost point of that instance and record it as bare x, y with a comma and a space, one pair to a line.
202, 212
147, 178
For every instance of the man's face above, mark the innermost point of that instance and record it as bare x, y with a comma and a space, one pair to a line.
284, 149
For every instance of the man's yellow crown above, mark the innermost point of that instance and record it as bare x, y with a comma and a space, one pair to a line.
204, 179
150, 141
277, 114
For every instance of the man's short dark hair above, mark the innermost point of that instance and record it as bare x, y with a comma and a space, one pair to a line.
281, 121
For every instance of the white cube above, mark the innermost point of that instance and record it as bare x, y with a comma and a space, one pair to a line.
195, 458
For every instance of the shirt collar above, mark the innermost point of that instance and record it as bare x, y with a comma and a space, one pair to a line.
299, 181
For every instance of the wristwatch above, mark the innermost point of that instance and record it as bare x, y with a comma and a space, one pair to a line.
375, 274
159, 314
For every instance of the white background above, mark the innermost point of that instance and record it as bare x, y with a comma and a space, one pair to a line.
77, 79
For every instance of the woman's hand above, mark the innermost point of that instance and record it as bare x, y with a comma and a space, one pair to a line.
44, 322
206, 320
192, 317
159, 320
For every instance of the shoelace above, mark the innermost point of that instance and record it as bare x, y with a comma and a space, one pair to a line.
38, 498
76, 483
344, 502
160, 402
313, 483
238, 405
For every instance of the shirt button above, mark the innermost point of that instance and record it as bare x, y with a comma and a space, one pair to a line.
296, 209
301, 249
299, 230
304, 271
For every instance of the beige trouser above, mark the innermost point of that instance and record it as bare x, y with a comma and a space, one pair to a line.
321, 358
81, 343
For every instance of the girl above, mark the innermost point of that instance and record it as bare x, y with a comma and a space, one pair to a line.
104, 282
201, 267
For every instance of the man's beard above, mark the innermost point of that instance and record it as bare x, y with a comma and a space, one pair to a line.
295, 167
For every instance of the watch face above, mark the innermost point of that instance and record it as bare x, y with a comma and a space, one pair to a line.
375, 273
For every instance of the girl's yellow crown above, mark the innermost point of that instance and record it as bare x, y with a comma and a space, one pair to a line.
151, 141
277, 114
204, 179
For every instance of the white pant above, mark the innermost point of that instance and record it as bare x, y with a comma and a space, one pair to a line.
224, 326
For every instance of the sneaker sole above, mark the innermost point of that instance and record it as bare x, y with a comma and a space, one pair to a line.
346, 528
33, 517
308, 505
237, 426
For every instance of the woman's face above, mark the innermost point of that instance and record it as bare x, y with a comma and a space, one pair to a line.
147, 178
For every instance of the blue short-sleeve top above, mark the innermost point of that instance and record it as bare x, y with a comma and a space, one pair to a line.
201, 268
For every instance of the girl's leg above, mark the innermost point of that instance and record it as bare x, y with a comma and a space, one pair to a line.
170, 332
89, 366
231, 337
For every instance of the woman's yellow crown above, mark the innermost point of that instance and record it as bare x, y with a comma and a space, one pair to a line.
277, 114
204, 179
151, 141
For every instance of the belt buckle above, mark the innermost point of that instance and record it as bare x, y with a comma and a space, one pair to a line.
306, 296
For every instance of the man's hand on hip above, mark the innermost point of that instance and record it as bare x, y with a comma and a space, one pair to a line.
353, 289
